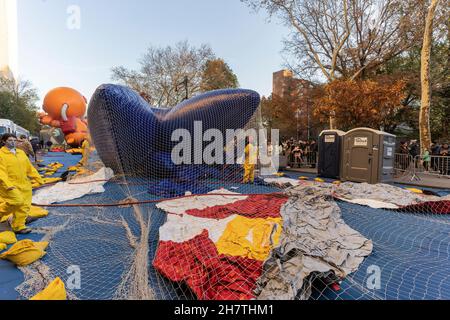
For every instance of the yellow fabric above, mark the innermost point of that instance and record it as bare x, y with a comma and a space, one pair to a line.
83, 172
86, 152
249, 173
4, 218
319, 180
251, 158
76, 150
55, 291
16, 170
3, 246
8, 237
55, 165
250, 238
303, 178
51, 180
74, 168
18, 204
38, 213
46, 181
25, 252
414, 190
35, 212
280, 174
251, 155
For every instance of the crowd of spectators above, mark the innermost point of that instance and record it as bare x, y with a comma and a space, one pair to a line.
436, 158
300, 153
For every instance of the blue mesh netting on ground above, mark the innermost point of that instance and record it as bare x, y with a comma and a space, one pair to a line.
411, 250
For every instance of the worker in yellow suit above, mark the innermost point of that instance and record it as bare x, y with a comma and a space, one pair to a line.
251, 159
16, 173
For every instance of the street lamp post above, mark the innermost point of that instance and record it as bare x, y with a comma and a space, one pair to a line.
309, 121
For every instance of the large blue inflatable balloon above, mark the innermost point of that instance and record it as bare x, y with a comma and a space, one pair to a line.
135, 139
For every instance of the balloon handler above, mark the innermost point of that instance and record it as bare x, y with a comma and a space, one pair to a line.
251, 158
16, 175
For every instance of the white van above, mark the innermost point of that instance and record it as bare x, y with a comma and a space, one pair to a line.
7, 126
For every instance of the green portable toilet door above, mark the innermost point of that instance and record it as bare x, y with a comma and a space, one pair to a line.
359, 157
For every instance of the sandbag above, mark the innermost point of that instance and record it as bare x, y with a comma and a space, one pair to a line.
414, 190
35, 213
55, 291
25, 252
8, 237
38, 213
46, 181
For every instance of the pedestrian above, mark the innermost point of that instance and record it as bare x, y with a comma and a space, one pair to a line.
298, 154
35, 144
49, 145
404, 158
426, 158
314, 148
435, 152
445, 160
414, 149
25, 145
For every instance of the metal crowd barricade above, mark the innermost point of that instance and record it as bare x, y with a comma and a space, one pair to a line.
433, 165
403, 164
308, 160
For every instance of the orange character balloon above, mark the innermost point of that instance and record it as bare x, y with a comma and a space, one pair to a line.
65, 108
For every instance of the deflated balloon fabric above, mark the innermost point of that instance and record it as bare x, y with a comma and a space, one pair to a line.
220, 255
255, 206
210, 276
315, 241
434, 207
250, 238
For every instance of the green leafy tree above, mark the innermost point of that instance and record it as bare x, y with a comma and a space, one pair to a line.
18, 103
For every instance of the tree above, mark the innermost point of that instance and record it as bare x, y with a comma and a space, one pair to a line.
424, 120
361, 103
345, 38
407, 67
162, 77
292, 112
218, 75
18, 103
277, 113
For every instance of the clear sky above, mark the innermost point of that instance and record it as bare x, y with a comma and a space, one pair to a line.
117, 32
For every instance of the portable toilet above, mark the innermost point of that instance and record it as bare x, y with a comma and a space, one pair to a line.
330, 154
368, 156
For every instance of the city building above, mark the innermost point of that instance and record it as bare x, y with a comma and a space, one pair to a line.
8, 38
297, 93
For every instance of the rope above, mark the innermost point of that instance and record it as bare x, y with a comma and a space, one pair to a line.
121, 204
